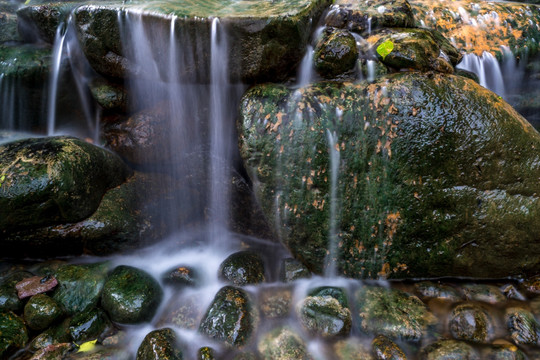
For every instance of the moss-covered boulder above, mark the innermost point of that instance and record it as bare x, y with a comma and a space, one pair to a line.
324, 316
392, 313
386, 349
131, 295
282, 344
436, 175
265, 40
472, 323
40, 22
41, 311
160, 345
242, 268
80, 286
46, 181
449, 350
13, 334
231, 318
365, 16
336, 53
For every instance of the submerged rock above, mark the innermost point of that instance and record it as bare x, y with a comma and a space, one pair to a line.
392, 313
324, 316
231, 318
393, 139
449, 350
242, 268
130, 295
282, 344
428, 289
159, 345
52, 180
351, 348
483, 292
471, 322
503, 352
292, 269
522, 326
275, 302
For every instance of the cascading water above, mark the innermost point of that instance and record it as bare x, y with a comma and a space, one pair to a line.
488, 70
333, 149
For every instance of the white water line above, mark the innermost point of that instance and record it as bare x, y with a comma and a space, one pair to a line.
487, 68
305, 72
58, 49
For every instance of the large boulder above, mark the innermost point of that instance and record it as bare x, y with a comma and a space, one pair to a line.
265, 40
46, 181
436, 176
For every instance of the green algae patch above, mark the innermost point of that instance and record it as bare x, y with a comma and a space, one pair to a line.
437, 175
13, 333
54, 180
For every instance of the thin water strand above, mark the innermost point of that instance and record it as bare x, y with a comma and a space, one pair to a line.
54, 78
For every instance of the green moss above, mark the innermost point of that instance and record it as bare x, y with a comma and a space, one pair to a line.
41, 311
13, 333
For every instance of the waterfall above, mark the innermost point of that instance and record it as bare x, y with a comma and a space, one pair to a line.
334, 156
305, 71
58, 49
488, 70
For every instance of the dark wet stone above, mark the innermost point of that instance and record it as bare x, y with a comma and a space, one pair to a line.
532, 285
61, 179
351, 348
503, 352
159, 345
324, 316
365, 16
231, 318
88, 325
392, 313
396, 122
41, 311
522, 326
181, 276
53, 352
386, 349
292, 269
483, 292
449, 350
205, 353
57, 334
39, 22
130, 295
336, 53
183, 311
9, 300
242, 268
403, 49
28, 63
275, 302
428, 289
472, 323
13, 334
110, 96
79, 286
265, 42
8, 26
282, 344
335, 292
511, 292
467, 74
35, 285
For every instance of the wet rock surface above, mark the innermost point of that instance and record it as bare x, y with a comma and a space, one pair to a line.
159, 345
336, 53
471, 323
41, 311
283, 344
324, 316
242, 268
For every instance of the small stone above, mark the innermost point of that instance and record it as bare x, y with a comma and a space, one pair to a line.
9, 299
292, 269
53, 352
181, 276
242, 268
483, 292
205, 353
283, 344
231, 318
449, 350
131, 295
428, 289
471, 322
35, 285
56, 334
335, 292
532, 285
522, 326
386, 349
511, 292
336, 53
324, 316
159, 345
351, 349
503, 352
41, 311
88, 325
183, 311
275, 302
13, 334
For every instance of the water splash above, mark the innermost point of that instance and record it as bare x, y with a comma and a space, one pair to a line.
305, 71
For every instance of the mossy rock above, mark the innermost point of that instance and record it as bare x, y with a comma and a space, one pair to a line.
8, 26
182, 276
40, 22
231, 318
160, 345
392, 313
56, 334
265, 40
336, 53
522, 326
88, 325
449, 350
282, 344
351, 348
336, 292
386, 349
324, 316
13, 334
242, 268
365, 16
80, 286
472, 323
54, 180
292, 269
28, 63
504, 352
41, 311
424, 191
483, 292
9, 300
428, 289
131, 295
